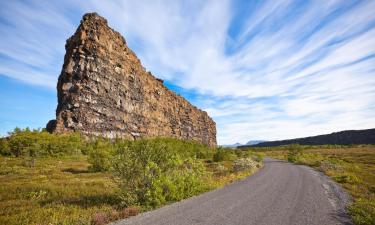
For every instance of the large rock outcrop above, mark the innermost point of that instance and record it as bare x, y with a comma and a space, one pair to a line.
103, 90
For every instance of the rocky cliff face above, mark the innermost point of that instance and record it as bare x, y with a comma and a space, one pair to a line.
103, 90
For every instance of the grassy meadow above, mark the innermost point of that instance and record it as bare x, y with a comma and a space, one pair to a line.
66, 179
353, 167
53, 191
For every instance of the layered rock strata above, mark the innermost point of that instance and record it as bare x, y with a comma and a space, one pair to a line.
103, 90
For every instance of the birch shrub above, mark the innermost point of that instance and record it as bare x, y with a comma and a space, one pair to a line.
151, 173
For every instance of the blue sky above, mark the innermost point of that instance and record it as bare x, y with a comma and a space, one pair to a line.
262, 69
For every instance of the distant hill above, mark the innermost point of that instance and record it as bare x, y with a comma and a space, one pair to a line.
232, 146
254, 142
347, 137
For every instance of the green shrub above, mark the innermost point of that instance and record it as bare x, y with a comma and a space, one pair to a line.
152, 172
100, 155
258, 157
41, 143
224, 155
347, 178
4, 147
26, 142
294, 152
363, 212
184, 148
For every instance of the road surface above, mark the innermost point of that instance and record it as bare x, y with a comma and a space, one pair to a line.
280, 193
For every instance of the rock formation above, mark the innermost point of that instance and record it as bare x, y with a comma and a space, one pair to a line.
103, 90
346, 137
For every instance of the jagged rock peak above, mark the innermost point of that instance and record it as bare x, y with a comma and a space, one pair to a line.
103, 90
93, 17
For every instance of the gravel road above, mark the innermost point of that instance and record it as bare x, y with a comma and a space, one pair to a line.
280, 193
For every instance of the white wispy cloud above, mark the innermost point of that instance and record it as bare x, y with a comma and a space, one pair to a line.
279, 70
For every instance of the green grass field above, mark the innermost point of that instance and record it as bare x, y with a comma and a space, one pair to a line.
352, 167
55, 191
64, 191
65, 179
71, 179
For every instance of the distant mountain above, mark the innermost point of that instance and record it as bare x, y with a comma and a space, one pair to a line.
232, 146
347, 137
254, 142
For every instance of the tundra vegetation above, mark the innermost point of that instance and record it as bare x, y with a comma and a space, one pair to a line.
69, 179
353, 167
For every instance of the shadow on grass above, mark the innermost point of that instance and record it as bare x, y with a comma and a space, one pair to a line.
275, 161
76, 171
86, 201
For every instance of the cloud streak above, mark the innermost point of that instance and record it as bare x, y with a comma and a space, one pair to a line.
263, 70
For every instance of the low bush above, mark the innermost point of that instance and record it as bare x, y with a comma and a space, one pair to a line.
100, 154
102, 218
224, 155
4, 147
294, 152
152, 173
244, 164
33, 143
128, 212
258, 157
220, 169
347, 178
363, 212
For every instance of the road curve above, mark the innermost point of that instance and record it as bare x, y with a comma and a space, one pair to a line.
280, 193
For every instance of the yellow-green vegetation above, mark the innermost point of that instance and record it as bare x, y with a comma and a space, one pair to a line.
67, 179
53, 191
351, 166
